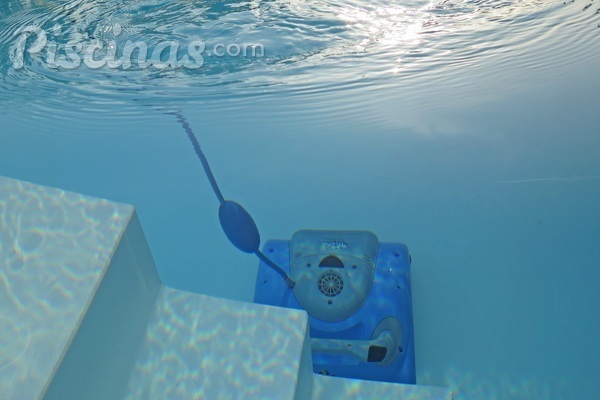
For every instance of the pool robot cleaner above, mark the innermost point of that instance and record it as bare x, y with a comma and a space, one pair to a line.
356, 290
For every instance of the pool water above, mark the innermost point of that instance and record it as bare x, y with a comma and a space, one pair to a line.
468, 130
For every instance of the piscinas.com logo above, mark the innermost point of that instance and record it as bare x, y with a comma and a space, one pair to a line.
113, 54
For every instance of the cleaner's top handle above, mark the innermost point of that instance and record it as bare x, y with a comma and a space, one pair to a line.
238, 225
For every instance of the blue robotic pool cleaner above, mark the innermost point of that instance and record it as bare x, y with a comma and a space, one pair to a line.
356, 290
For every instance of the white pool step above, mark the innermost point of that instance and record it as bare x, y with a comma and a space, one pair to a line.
83, 315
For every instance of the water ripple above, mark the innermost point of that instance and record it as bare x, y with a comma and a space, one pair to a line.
307, 46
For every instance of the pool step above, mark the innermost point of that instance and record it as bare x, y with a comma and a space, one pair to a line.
84, 315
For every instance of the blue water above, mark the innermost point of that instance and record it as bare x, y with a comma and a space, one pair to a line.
468, 130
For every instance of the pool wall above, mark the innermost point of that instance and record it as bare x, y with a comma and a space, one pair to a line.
83, 314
